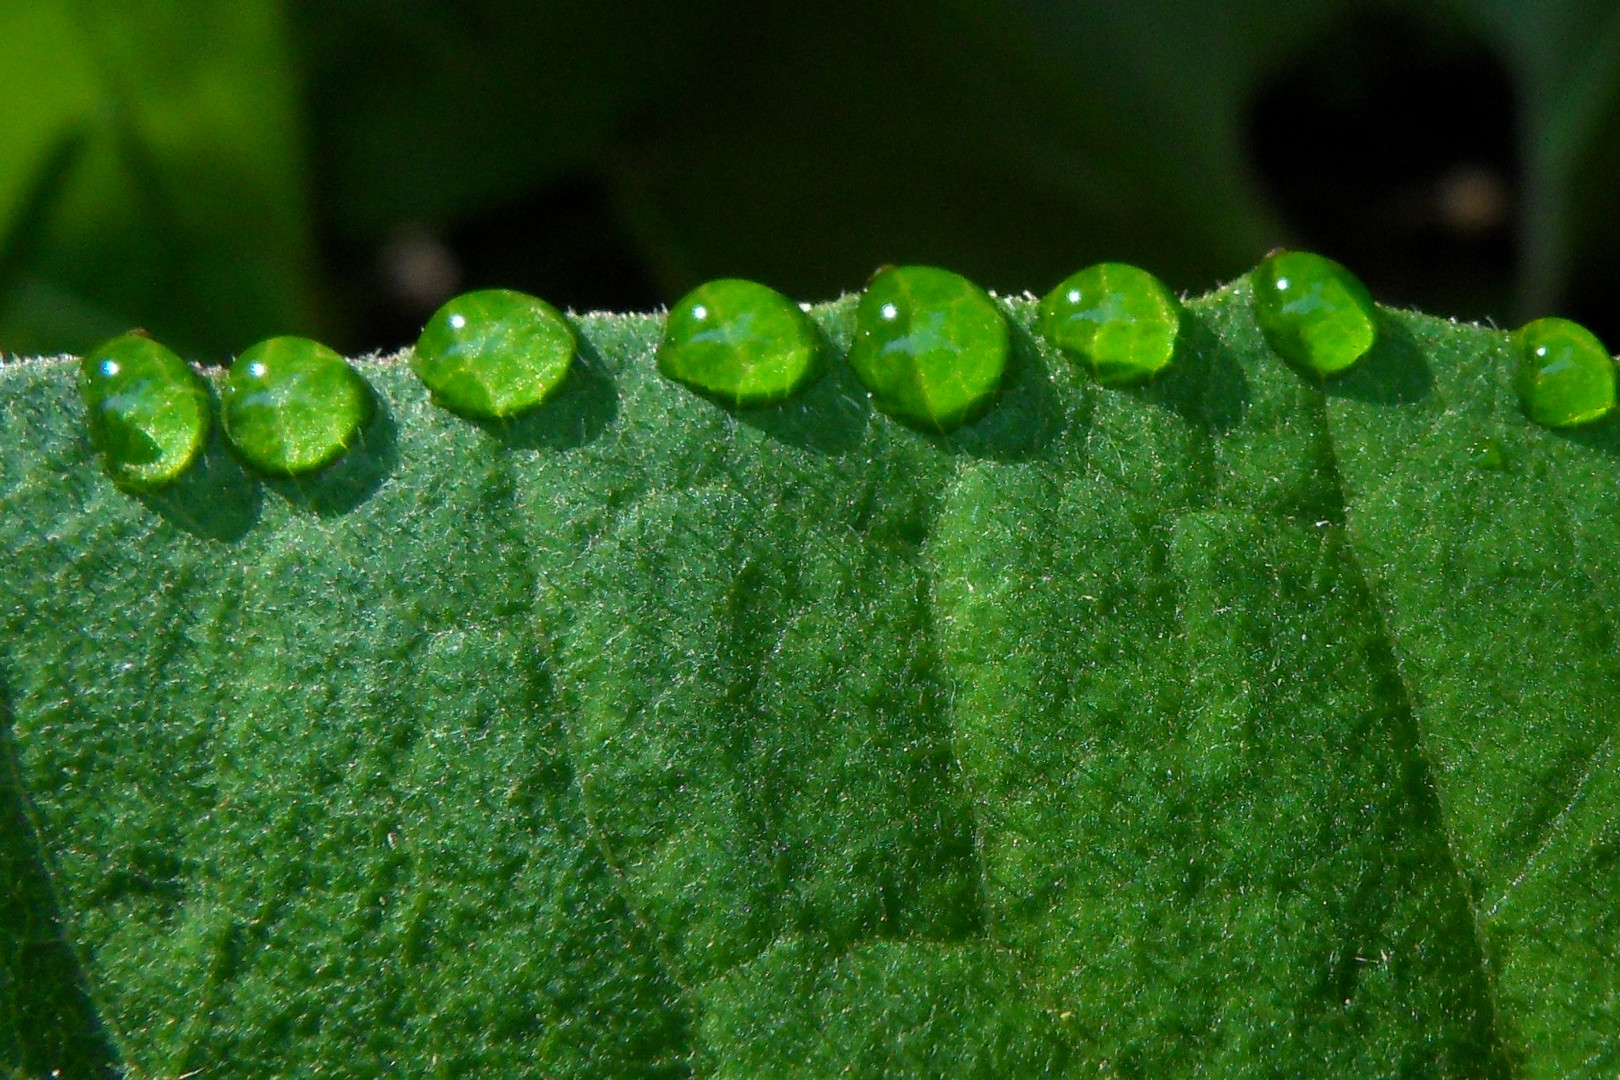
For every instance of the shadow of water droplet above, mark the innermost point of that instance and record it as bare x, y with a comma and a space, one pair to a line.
1024, 417
353, 478
1602, 435
830, 416
1204, 384
575, 415
216, 499
1394, 372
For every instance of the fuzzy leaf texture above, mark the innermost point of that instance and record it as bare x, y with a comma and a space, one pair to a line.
1232, 726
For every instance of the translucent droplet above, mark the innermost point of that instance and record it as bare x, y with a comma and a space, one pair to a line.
1118, 320
148, 411
1489, 453
493, 353
930, 345
291, 406
740, 343
1565, 376
1314, 313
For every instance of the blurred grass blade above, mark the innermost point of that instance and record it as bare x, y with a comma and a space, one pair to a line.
35, 206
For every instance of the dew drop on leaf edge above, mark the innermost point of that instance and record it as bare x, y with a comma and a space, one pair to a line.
930, 346
290, 406
147, 410
1565, 376
739, 342
493, 353
1117, 319
1313, 312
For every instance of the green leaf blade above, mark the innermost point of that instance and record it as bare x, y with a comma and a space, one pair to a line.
1516, 713
1204, 725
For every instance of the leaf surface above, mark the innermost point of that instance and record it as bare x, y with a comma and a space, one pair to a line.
1229, 725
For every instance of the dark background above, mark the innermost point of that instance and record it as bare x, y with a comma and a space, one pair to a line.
221, 171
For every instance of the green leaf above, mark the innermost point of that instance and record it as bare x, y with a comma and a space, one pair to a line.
1232, 725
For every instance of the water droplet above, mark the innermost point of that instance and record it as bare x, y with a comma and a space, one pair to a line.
1313, 312
493, 353
1117, 319
148, 411
1488, 452
291, 405
930, 345
1565, 376
739, 342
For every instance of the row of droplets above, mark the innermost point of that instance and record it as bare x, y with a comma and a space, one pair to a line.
930, 346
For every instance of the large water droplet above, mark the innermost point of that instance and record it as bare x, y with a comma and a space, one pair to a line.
148, 411
493, 353
1565, 375
930, 345
1118, 320
291, 405
740, 343
1314, 313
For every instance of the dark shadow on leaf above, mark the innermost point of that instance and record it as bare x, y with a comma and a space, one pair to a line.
1393, 373
58, 1032
1603, 435
1203, 384
1025, 416
1414, 852
352, 478
215, 499
830, 416
576, 414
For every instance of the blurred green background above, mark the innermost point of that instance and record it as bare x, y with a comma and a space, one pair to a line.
220, 171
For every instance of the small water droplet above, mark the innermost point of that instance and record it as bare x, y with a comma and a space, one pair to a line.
890, 311
1489, 453
1566, 376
